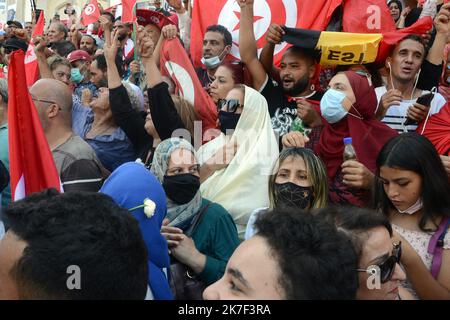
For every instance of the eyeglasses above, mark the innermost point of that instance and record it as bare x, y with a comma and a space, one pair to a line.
45, 101
229, 105
387, 267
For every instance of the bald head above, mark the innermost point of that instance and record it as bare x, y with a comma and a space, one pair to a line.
52, 90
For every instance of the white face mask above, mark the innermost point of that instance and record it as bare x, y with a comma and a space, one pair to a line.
414, 208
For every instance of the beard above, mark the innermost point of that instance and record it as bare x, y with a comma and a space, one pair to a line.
299, 87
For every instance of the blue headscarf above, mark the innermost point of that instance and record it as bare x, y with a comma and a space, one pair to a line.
129, 185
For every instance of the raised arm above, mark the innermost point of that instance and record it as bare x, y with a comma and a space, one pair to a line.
40, 49
441, 23
164, 115
247, 44
128, 119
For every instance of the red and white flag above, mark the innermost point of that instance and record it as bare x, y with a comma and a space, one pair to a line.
32, 167
367, 16
31, 64
128, 13
305, 14
175, 63
91, 13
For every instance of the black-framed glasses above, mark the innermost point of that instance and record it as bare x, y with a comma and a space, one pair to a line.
387, 266
229, 105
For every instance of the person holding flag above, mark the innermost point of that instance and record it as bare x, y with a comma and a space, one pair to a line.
295, 94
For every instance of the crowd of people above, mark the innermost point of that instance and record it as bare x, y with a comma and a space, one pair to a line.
314, 181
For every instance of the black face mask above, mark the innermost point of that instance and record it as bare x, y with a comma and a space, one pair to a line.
291, 195
228, 120
181, 188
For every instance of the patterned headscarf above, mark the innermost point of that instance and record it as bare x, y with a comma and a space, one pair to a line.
179, 215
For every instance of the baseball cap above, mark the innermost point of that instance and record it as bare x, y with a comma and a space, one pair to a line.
146, 16
17, 24
79, 55
15, 44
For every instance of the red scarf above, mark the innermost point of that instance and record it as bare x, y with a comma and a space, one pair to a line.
369, 135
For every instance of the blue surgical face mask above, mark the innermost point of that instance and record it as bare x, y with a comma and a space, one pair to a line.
213, 62
331, 106
75, 75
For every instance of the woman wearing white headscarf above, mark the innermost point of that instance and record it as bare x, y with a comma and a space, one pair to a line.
242, 186
208, 247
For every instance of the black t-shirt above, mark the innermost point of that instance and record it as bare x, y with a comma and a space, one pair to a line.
282, 111
205, 80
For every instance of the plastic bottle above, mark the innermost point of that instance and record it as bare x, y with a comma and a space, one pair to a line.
349, 151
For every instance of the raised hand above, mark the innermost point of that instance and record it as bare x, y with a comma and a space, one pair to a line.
144, 45
111, 47
274, 34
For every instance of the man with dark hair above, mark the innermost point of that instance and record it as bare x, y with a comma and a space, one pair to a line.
71, 246
217, 44
293, 255
99, 70
63, 48
88, 44
289, 97
397, 101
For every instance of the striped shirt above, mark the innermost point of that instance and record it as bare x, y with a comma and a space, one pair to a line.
396, 114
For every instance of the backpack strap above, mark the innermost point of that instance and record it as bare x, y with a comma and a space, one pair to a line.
435, 247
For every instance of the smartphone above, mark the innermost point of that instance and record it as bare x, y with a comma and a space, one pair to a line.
424, 100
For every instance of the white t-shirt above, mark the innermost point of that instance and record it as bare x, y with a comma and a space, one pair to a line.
396, 114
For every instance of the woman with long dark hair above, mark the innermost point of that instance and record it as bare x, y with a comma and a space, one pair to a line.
413, 191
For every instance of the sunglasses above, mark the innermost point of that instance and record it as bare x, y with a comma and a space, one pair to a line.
387, 267
229, 105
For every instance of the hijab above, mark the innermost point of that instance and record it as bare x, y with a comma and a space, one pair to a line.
129, 185
179, 215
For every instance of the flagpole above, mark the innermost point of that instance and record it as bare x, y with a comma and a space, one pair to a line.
133, 36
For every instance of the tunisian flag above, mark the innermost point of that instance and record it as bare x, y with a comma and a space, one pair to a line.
367, 16
175, 64
91, 13
31, 64
128, 14
32, 168
305, 14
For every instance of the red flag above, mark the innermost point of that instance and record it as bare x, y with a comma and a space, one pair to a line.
91, 13
367, 16
175, 64
437, 129
306, 14
32, 167
128, 14
390, 39
31, 64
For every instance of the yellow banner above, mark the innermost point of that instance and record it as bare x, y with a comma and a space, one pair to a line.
348, 48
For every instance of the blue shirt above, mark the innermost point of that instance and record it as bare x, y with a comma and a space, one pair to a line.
88, 85
112, 150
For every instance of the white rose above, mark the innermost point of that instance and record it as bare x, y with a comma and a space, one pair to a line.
149, 208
